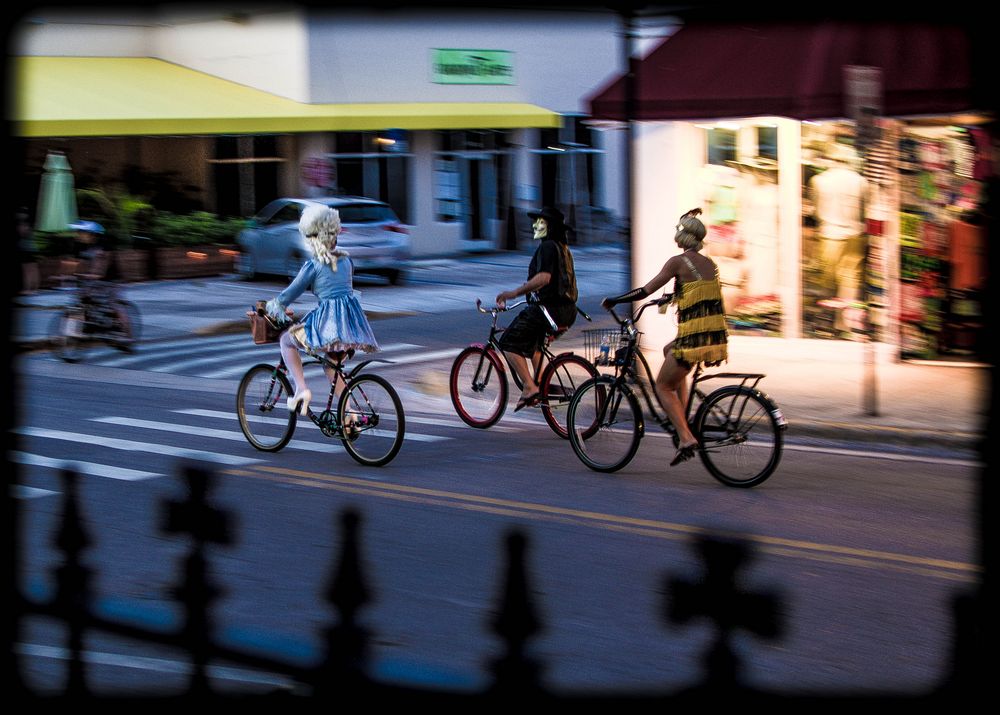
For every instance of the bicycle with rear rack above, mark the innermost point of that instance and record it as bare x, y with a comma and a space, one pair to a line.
739, 428
367, 417
479, 385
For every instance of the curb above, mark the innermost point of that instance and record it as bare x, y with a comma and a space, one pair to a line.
853, 432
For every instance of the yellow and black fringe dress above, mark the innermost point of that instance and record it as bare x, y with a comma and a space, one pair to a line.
701, 323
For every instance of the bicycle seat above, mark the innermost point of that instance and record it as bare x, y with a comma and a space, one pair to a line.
551, 335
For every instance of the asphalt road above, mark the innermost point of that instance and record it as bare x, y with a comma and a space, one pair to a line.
864, 548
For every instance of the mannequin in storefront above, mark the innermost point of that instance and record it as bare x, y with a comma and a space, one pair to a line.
760, 226
838, 199
722, 188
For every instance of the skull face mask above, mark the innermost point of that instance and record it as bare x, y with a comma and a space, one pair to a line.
541, 228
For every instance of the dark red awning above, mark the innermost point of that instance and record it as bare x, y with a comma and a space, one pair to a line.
712, 71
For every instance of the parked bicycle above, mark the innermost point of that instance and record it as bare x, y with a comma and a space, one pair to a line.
738, 427
94, 315
479, 385
367, 418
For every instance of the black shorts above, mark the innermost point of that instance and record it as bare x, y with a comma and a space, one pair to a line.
527, 331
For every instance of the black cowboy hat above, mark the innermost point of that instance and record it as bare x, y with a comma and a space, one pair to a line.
552, 215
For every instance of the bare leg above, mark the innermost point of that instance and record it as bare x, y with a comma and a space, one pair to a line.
525, 373
672, 390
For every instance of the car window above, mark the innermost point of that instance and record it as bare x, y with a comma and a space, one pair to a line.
286, 214
365, 213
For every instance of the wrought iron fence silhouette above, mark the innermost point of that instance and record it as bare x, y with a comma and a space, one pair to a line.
343, 671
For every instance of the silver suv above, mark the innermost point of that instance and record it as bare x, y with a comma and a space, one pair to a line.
371, 232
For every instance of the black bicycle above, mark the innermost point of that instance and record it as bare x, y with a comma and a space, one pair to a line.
738, 427
367, 418
95, 314
479, 385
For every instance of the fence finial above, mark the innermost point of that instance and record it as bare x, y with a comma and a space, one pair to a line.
73, 579
516, 622
719, 599
196, 592
346, 664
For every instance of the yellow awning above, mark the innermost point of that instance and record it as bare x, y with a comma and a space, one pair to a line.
129, 96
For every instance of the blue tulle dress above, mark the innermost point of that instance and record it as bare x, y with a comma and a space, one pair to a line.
338, 323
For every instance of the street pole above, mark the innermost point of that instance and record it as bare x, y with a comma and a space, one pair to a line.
863, 94
628, 22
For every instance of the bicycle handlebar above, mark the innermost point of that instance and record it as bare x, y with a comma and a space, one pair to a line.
509, 306
665, 299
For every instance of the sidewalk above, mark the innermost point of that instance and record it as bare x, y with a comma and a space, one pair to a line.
819, 384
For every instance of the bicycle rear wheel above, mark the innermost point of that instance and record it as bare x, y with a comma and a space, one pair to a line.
740, 437
134, 328
560, 381
605, 424
372, 418
66, 335
478, 387
261, 405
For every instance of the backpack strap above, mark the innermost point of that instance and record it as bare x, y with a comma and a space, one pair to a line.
690, 265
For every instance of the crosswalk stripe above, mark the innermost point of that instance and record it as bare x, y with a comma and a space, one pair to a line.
410, 419
134, 446
96, 470
19, 491
238, 436
425, 357
215, 343
233, 370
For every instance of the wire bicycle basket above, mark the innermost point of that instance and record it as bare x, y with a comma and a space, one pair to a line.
602, 346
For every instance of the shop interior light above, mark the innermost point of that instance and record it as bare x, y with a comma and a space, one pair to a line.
385, 140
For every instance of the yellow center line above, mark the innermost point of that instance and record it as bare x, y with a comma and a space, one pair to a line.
646, 527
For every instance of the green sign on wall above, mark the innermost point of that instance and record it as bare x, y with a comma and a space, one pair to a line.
472, 66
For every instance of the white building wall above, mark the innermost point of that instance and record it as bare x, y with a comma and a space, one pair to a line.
667, 156
83, 32
265, 51
385, 56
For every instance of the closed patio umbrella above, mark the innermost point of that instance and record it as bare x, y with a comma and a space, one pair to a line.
56, 197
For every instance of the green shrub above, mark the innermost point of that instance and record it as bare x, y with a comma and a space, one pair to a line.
198, 228
54, 244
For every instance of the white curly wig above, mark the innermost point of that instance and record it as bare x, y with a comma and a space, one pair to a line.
320, 226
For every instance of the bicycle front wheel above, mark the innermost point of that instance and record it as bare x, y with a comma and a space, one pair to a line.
261, 405
66, 335
560, 381
478, 387
372, 420
605, 424
740, 437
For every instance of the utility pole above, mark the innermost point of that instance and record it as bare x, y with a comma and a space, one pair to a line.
628, 47
863, 93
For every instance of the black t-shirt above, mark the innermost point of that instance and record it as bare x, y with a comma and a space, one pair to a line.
549, 258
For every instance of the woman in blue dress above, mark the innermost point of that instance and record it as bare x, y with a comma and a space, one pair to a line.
338, 323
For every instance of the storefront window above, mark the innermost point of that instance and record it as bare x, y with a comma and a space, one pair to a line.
942, 242
721, 146
833, 237
932, 171
375, 165
469, 181
738, 192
